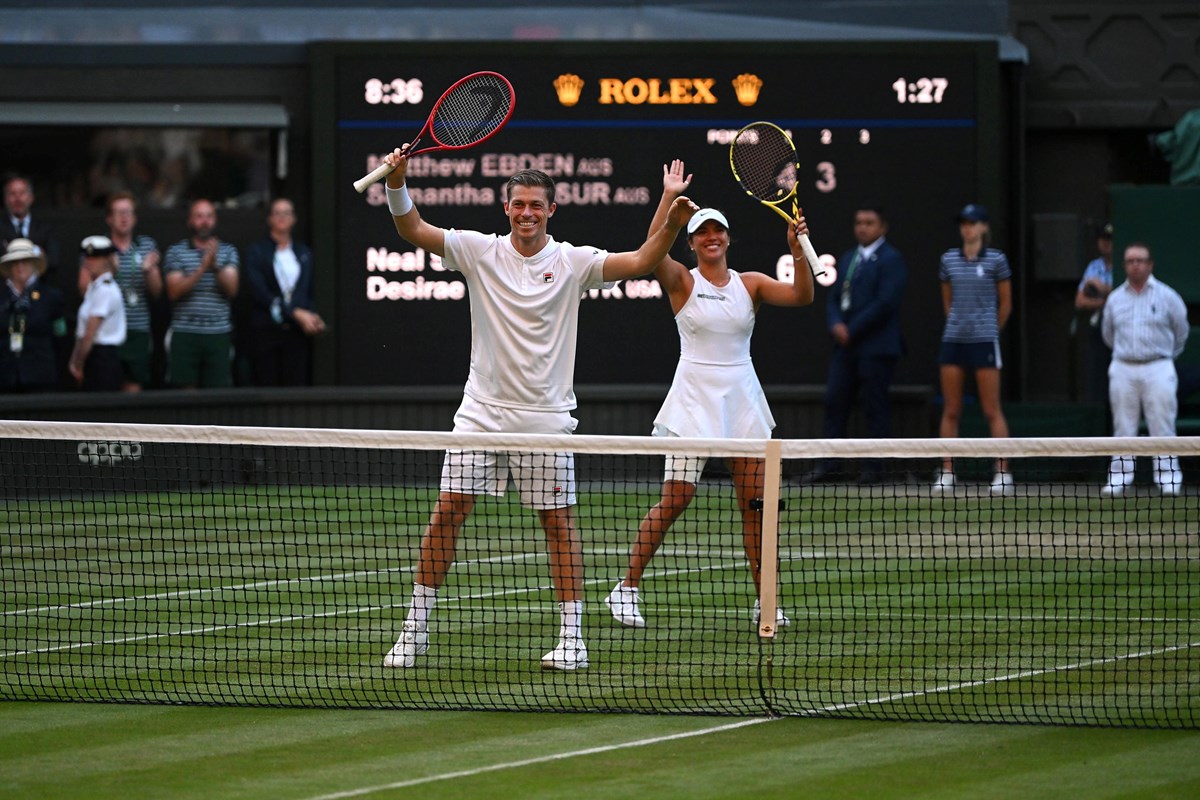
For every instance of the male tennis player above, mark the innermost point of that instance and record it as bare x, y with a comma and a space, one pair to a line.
525, 291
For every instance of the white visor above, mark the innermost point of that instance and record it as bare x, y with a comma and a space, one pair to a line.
702, 216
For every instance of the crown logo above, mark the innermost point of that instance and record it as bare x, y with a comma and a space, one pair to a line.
746, 86
568, 86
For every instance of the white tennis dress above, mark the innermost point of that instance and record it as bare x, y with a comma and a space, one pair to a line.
715, 393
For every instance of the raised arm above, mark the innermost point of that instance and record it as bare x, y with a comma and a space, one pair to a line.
630, 264
179, 284
407, 219
671, 275
765, 289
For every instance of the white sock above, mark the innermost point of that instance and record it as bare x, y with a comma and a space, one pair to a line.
423, 598
572, 619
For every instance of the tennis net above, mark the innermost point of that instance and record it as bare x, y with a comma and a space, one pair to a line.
274, 566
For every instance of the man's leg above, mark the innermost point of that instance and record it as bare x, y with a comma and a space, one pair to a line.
434, 561
566, 573
1125, 398
875, 380
218, 361
1160, 401
841, 389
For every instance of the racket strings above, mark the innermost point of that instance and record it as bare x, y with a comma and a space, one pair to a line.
764, 161
472, 110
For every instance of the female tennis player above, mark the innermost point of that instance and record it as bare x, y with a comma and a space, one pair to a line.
715, 393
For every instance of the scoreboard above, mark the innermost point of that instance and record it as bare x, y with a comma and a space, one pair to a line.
908, 127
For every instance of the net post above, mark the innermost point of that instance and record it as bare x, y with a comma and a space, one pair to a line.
768, 577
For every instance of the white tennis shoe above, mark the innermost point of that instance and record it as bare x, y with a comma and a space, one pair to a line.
412, 643
622, 601
1003, 484
571, 654
781, 619
944, 481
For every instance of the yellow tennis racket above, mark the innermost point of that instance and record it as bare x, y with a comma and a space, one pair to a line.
763, 160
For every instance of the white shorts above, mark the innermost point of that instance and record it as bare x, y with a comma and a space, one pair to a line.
681, 468
544, 480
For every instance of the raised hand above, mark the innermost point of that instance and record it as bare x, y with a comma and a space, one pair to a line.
398, 161
673, 180
681, 211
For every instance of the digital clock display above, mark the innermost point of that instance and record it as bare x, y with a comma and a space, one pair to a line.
602, 119
921, 90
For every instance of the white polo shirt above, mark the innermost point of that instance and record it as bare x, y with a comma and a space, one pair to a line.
524, 317
103, 299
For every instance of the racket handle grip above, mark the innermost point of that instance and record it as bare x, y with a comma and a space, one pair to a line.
374, 175
810, 255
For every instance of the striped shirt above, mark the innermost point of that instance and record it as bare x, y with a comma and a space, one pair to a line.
973, 296
132, 282
1145, 326
205, 309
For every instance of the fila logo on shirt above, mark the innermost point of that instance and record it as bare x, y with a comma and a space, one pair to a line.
547, 277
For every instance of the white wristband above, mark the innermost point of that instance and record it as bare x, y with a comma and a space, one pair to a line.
399, 203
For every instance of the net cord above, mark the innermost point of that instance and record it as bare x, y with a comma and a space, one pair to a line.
356, 438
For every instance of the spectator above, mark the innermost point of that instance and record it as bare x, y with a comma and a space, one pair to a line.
100, 329
863, 313
1093, 290
201, 275
977, 298
140, 282
279, 272
1145, 323
20, 223
33, 316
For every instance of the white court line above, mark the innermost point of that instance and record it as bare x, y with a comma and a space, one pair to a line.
1029, 673
362, 609
288, 582
300, 617
467, 773
254, 585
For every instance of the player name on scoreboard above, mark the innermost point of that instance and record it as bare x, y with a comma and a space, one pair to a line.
380, 259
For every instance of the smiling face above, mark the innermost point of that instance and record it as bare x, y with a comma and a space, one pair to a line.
529, 209
710, 241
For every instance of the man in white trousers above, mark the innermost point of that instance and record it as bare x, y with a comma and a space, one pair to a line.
1145, 323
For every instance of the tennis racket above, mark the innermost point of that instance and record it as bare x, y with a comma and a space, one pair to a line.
763, 160
469, 112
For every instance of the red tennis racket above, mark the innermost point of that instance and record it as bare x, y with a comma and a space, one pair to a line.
469, 112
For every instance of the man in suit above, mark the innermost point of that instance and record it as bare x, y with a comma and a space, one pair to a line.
863, 313
19, 223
